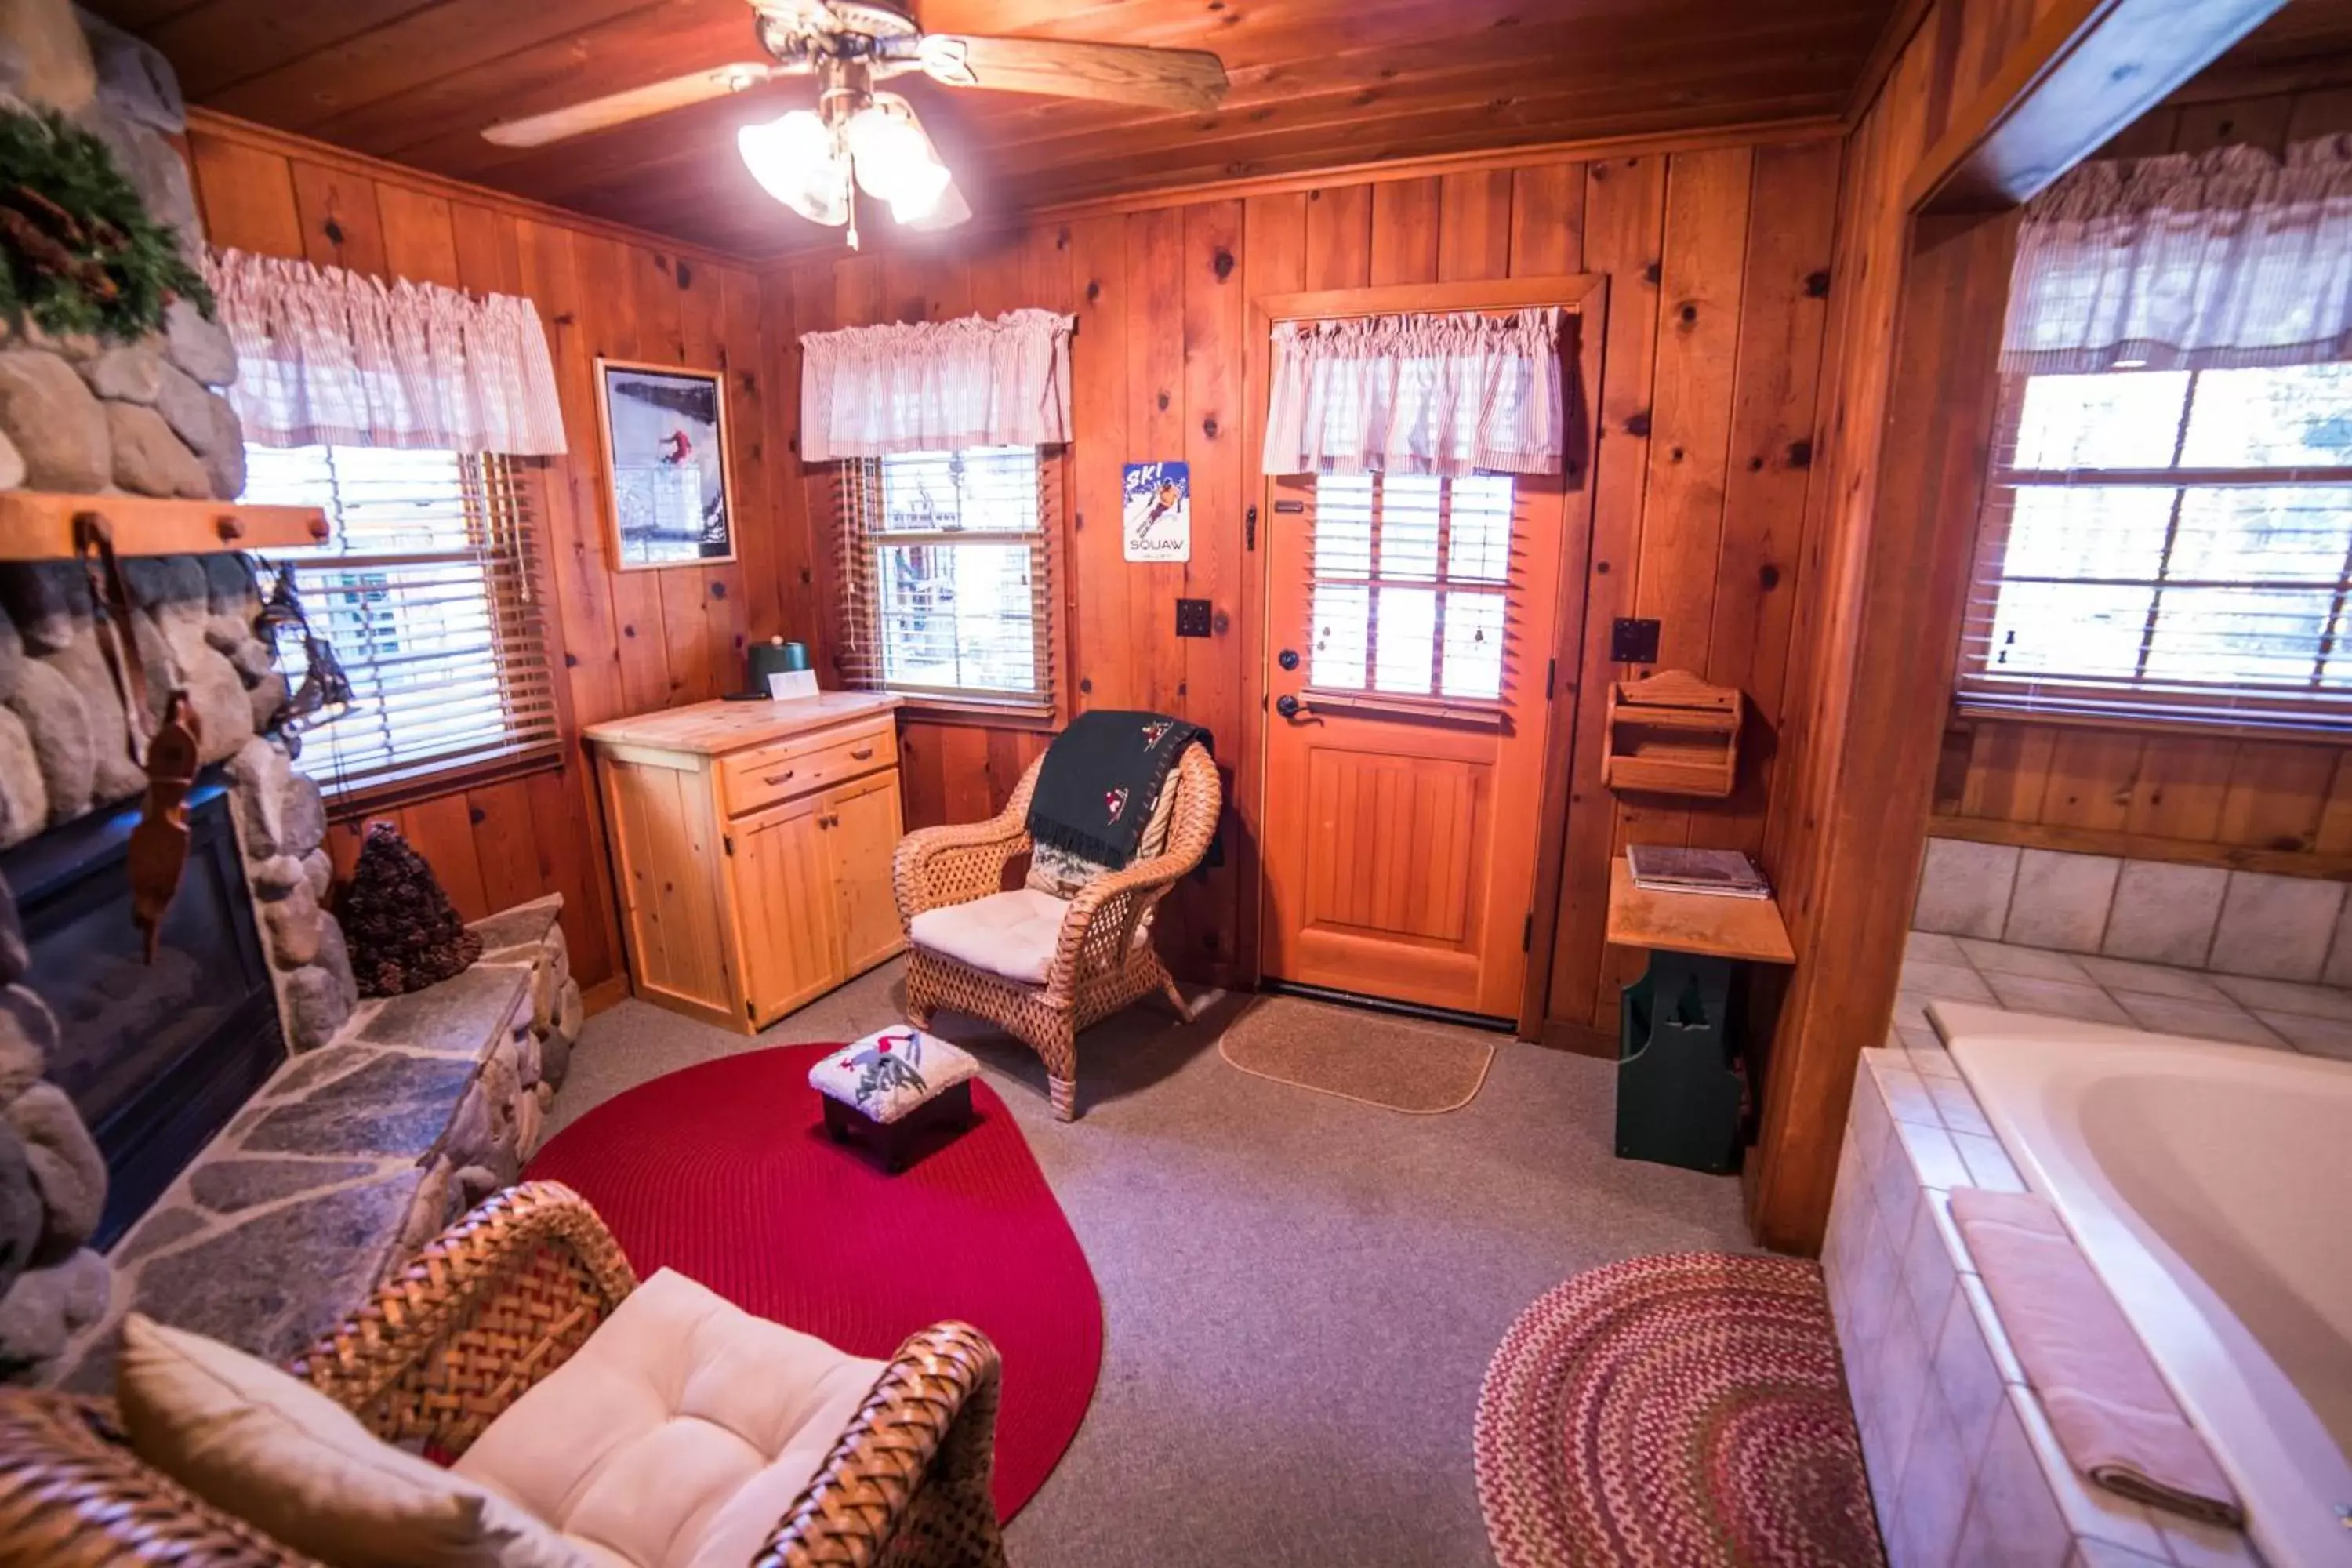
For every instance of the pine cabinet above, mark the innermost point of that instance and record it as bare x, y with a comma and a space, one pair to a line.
751, 848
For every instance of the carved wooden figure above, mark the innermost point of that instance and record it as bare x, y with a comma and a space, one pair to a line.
159, 845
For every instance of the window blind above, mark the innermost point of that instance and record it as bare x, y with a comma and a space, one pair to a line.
1411, 578
2167, 547
946, 574
428, 592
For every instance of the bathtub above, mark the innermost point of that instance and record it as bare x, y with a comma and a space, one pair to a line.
2212, 1187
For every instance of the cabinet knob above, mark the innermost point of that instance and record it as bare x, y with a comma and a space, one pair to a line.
785, 777
861, 753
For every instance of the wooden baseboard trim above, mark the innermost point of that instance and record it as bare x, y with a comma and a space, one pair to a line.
1577, 1039
605, 993
2320, 864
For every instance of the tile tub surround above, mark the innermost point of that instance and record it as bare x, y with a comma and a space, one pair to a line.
1962, 1463
2283, 1015
2187, 917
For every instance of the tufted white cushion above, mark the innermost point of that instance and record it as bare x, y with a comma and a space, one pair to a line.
1012, 934
677, 1434
891, 1071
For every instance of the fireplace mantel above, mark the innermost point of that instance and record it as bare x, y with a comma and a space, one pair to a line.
36, 525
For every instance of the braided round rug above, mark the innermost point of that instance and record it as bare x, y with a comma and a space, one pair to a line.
1680, 1410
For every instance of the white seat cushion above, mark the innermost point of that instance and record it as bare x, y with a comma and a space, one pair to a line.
1012, 934
891, 1071
677, 1434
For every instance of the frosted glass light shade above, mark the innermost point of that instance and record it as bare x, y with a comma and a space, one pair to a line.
796, 160
895, 162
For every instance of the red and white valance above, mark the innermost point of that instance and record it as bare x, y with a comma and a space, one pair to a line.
326, 357
936, 387
1444, 394
2220, 260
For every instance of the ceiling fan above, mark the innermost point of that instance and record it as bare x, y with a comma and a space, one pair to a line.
814, 160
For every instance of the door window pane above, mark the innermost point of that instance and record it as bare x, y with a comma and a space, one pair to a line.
1474, 646
1404, 658
1412, 573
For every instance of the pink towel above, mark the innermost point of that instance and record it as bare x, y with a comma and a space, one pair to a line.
2116, 1421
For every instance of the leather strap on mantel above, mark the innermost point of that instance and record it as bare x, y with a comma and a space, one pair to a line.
110, 598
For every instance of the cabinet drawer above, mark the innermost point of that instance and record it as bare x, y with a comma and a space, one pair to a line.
750, 780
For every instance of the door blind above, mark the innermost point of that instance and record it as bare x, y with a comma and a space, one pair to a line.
1410, 597
2168, 547
427, 590
946, 574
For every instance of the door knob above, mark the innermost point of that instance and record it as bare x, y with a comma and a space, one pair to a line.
1287, 659
1286, 705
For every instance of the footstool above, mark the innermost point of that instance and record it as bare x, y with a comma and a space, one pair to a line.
892, 1088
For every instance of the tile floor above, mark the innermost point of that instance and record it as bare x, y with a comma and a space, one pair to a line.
2283, 1015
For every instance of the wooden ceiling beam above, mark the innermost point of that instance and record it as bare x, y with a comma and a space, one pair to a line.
2088, 69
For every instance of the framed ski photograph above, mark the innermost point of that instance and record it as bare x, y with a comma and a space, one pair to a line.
666, 465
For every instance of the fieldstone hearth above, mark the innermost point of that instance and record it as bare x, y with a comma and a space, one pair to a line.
355, 1155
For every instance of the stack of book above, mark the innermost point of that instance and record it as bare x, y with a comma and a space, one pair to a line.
1726, 873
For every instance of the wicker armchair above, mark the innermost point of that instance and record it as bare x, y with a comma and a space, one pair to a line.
1104, 958
497, 1303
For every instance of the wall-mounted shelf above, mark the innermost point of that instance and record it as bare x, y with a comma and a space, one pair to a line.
1672, 734
36, 525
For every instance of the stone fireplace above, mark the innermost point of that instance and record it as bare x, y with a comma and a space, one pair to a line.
225, 1138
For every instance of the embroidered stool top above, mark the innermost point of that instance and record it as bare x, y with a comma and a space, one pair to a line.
892, 1071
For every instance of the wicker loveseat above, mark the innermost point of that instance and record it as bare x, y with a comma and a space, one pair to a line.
486, 1312
1100, 956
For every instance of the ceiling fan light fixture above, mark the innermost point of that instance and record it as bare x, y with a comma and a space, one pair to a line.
796, 160
896, 162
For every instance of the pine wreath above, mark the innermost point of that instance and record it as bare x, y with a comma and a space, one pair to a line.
402, 932
83, 253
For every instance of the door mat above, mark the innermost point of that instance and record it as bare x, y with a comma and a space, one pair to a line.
1400, 1064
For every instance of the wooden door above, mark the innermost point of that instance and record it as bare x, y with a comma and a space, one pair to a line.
1409, 635
861, 831
787, 922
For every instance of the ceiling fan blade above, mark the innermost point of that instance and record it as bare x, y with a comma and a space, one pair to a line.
636, 104
950, 210
1113, 73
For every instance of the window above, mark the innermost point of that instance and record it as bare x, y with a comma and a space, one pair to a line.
1408, 592
2172, 546
425, 592
946, 574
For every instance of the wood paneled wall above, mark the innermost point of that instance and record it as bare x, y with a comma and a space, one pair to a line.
1718, 260
2273, 805
629, 641
1878, 616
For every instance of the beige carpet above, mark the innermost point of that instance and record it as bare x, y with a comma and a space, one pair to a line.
1400, 1064
1301, 1294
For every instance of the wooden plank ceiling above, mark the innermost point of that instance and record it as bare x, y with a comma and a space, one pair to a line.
1317, 83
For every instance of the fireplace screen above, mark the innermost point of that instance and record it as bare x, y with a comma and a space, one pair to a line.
156, 1057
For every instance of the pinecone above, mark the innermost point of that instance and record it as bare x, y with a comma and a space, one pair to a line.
403, 932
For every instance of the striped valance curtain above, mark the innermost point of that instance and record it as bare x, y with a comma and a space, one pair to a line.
2224, 260
936, 387
326, 357
1444, 394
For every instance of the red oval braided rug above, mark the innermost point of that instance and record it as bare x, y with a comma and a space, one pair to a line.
723, 1172
1676, 1411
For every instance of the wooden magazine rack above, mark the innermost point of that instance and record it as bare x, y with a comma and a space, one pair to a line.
1672, 734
